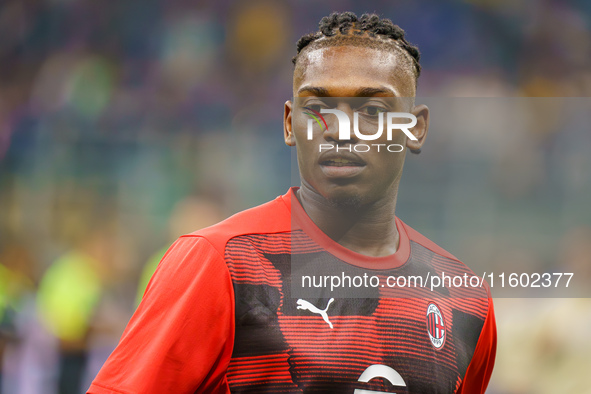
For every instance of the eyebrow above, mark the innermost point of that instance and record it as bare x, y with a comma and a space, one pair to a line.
362, 92
320, 92
368, 92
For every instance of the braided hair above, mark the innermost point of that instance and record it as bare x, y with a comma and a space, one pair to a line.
368, 30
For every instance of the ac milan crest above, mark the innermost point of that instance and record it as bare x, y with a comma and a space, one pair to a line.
435, 326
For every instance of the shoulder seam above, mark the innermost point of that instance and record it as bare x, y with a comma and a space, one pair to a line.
222, 257
206, 240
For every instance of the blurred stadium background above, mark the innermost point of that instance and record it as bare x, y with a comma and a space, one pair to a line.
125, 124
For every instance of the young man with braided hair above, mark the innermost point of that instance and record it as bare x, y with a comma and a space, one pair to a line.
221, 315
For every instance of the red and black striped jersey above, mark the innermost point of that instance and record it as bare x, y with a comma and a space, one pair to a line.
229, 310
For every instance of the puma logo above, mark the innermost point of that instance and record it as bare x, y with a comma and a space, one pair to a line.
305, 305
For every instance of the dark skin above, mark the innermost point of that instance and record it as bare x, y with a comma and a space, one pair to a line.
369, 227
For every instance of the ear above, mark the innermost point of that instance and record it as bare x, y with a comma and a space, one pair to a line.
287, 128
421, 128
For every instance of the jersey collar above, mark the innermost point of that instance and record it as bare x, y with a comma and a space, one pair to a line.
301, 221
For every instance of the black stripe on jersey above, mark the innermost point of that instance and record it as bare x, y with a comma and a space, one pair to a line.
469, 327
257, 326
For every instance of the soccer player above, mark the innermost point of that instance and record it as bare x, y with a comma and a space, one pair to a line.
219, 316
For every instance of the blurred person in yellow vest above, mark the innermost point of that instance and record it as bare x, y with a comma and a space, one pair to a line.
69, 295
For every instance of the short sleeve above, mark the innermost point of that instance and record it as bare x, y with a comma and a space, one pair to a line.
481, 366
180, 338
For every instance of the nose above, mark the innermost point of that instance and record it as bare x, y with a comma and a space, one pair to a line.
340, 126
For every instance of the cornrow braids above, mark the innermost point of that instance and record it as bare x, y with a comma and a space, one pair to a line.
339, 24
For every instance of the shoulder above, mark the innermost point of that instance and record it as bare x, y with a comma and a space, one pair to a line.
427, 251
415, 236
271, 217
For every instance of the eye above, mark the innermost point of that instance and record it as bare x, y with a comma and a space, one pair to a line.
314, 107
372, 110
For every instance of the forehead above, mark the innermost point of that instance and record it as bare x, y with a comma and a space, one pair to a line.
345, 69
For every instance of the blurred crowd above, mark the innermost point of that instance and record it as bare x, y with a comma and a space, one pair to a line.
125, 124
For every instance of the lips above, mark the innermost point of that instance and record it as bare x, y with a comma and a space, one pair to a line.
341, 164
341, 159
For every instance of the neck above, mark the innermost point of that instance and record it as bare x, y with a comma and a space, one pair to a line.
369, 229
